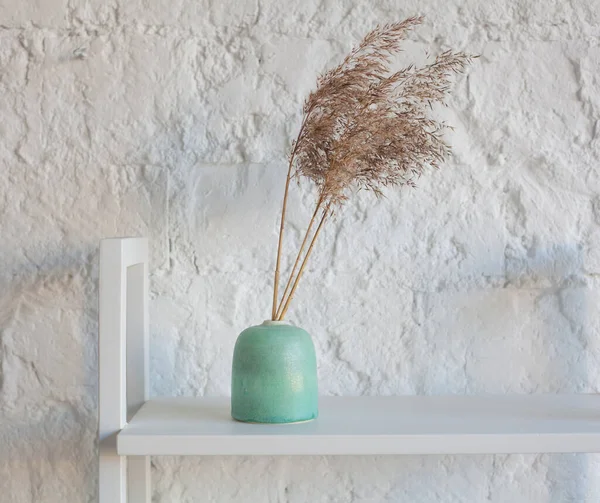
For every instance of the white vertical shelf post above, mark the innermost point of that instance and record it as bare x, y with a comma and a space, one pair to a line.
123, 365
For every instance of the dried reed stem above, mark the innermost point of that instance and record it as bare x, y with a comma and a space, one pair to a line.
280, 243
283, 211
301, 271
304, 241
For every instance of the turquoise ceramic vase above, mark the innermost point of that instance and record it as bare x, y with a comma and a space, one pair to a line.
274, 375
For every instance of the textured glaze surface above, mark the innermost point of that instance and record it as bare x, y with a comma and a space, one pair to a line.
173, 119
274, 375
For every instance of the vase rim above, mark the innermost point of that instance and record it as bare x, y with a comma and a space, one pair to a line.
268, 323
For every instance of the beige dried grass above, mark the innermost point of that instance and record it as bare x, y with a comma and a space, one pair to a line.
366, 128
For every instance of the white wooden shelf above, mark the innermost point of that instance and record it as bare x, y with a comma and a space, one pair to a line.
373, 425
132, 428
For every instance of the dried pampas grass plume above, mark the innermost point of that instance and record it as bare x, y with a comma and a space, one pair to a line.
366, 128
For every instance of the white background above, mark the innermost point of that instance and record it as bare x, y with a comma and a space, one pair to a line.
173, 119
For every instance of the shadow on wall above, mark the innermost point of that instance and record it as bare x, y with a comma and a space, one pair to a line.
49, 384
48, 387
559, 326
560, 334
563, 309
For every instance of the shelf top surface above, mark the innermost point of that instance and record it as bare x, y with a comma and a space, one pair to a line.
373, 425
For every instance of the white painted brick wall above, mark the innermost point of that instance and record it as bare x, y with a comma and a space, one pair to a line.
172, 119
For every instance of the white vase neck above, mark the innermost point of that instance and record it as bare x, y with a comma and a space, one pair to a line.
269, 323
